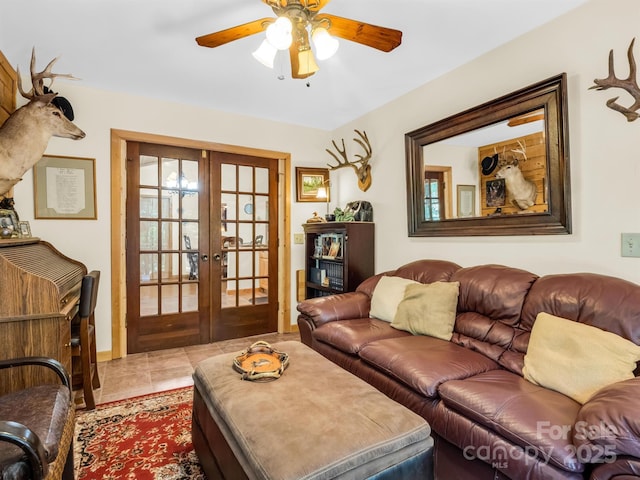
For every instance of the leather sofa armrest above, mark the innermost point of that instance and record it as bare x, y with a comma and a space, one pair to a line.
29, 443
609, 422
343, 306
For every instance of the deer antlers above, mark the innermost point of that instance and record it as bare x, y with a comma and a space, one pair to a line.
628, 84
363, 171
37, 80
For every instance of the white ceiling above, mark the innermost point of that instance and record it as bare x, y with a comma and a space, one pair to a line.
147, 48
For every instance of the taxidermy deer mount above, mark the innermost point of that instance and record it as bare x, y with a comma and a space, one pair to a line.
522, 191
24, 136
629, 84
360, 165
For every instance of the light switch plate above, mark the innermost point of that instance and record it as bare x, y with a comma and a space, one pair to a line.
630, 245
298, 238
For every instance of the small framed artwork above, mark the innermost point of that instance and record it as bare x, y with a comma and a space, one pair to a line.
9, 219
309, 181
466, 200
65, 187
24, 229
496, 193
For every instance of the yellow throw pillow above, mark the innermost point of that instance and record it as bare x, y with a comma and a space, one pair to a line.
428, 309
388, 293
576, 359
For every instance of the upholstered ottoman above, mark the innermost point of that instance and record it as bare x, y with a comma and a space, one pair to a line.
315, 422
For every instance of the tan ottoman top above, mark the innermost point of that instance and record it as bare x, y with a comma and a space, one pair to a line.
317, 421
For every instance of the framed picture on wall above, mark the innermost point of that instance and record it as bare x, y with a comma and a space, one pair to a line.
466, 201
65, 187
309, 181
496, 192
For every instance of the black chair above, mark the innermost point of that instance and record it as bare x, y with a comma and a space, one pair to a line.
193, 259
83, 340
37, 426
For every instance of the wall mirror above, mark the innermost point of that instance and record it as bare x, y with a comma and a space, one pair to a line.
501, 168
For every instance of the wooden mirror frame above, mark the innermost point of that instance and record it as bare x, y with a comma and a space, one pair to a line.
550, 95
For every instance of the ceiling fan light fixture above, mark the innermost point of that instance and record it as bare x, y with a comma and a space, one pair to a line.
266, 53
279, 33
306, 64
326, 45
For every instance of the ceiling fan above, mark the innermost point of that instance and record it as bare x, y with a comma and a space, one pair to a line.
296, 21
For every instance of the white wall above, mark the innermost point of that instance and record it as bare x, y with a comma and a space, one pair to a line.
604, 148
604, 156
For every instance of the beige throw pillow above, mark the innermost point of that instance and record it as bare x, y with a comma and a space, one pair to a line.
577, 359
428, 309
388, 293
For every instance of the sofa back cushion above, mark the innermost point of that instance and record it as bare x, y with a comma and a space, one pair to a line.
609, 303
423, 271
489, 309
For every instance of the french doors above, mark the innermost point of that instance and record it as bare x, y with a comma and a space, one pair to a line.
201, 246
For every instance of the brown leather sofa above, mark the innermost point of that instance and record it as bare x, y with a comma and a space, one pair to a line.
487, 420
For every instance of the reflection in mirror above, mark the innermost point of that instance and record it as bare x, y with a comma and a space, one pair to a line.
497, 169
504, 162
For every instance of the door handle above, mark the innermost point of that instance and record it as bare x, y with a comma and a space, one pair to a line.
216, 257
204, 257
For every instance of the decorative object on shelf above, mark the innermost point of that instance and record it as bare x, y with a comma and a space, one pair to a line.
8, 224
25, 134
339, 215
65, 187
297, 20
360, 165
361, 210
24, 229
629, 84
316, 219
309, 181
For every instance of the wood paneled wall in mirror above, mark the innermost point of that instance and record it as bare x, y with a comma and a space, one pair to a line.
510, 156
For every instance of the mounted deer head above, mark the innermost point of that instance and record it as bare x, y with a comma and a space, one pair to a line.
25, 134
628, 84
360, 165
522, 191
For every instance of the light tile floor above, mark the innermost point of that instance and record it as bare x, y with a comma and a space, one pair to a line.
144, 373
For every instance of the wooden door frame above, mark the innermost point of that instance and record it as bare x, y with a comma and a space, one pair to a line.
119, 139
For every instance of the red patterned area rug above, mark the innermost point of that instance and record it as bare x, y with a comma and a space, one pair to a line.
141, 438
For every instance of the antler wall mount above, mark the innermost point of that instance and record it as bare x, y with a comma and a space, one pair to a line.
360, 165
296, 22
629, 84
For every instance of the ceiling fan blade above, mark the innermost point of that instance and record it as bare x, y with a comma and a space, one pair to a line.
381, 38
216, 39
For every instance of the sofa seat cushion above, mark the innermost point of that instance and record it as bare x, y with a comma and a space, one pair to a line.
350, 336
423, 362
533, 417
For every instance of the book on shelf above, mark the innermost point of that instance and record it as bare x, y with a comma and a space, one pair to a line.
317, 275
